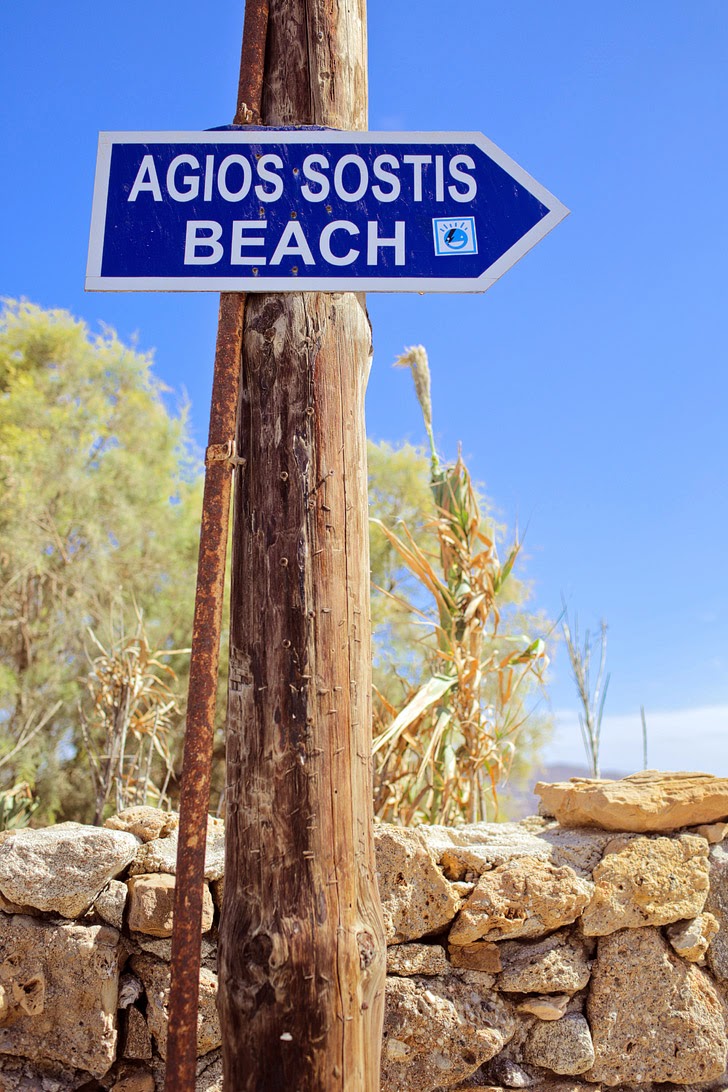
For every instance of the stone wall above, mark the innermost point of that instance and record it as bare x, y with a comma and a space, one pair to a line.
534, 955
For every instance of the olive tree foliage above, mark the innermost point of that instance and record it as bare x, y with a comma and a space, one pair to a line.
100, 494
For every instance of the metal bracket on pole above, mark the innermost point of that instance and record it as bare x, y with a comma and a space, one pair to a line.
224, 453
247, 116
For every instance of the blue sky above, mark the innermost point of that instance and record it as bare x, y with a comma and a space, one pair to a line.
588, 387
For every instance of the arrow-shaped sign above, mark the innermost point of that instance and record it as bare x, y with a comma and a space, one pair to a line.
271, 210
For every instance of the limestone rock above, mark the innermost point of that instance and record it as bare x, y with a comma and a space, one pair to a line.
409, 959
8, 907
463, 888
145, 822
556, 1084
151, 905
139, 1081
691, 939
546, 1006
465, 853
217, 888
161, 854
480, 956
527, 897
581, 848
647, 881
510, 1073
717, 904
63, 868
557, 964
438, 1031
712, 832
23, 1075
721, 1085
474, 1084
564, 1047
494, 1070
417, 900
209, 1073
61, 984
468, 851
161, 947
675, 1031
208, 1069
111, 903
536, 824
130, 990
155, 976
137, 1042
477, 979
642, 802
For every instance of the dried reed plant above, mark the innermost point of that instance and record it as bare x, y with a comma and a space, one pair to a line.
440, 756
128, 732
591, 697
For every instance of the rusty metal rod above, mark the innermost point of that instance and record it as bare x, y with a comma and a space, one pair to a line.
252, 62
204, 666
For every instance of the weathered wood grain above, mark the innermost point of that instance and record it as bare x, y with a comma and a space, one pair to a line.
301, 944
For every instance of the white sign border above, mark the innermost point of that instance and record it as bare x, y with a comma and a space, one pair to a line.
96, 283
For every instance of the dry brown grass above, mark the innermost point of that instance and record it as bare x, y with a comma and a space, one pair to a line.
128, 731
440, 756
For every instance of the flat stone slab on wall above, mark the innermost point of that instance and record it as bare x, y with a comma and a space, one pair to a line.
650, 801
62, 869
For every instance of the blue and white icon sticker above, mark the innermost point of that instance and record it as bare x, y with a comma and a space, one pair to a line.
455, 236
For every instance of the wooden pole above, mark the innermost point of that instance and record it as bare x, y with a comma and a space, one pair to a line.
301, 954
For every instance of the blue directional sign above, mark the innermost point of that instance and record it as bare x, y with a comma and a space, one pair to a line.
275, 210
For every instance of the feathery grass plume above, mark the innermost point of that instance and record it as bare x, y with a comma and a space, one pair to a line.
415, 358
128, 732
440, 756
